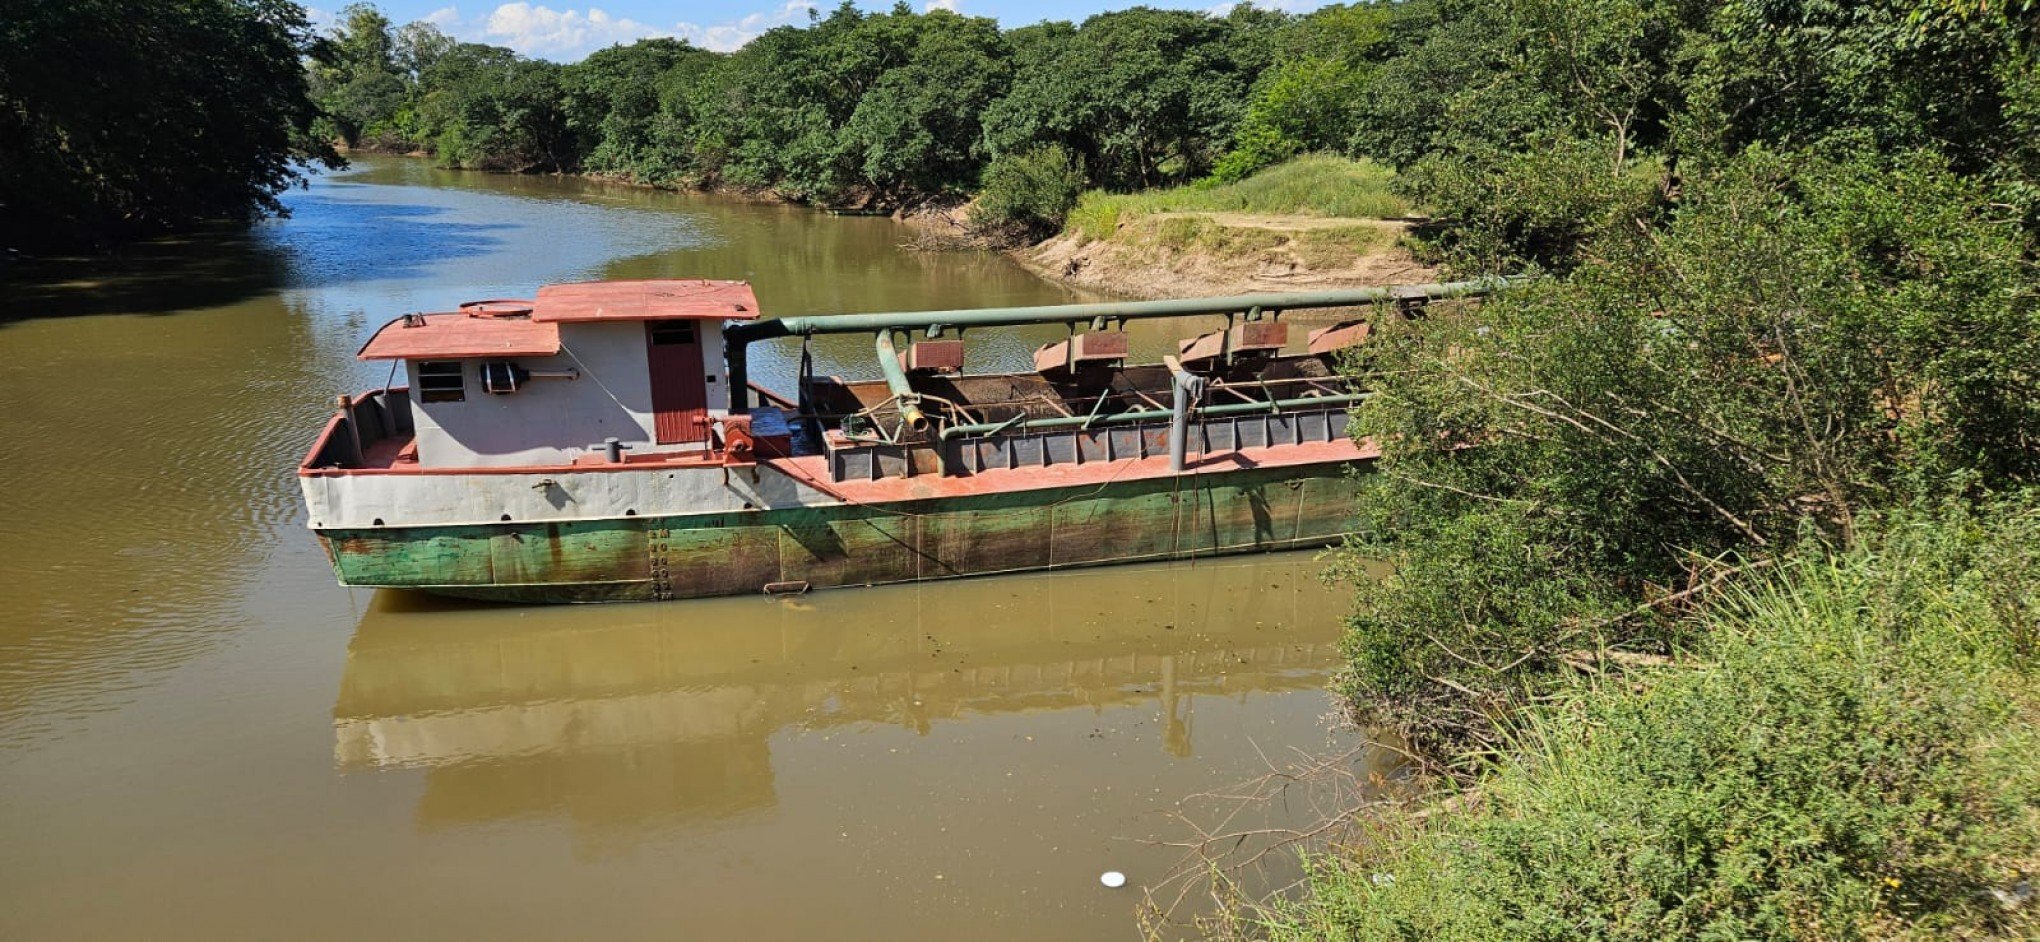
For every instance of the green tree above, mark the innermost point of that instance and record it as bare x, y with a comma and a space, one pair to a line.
1145, 96
917, 130
1309, 99
357, 80
612, 102
119, 119
487, 108
1026, 196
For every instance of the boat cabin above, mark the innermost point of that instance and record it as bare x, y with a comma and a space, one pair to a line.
578, 374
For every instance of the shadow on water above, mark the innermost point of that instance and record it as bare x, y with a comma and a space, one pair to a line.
325, 242
211, 268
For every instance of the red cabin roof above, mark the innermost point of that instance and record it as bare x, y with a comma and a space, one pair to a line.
461, 336
645, 301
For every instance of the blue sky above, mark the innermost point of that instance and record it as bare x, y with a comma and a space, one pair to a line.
566, 30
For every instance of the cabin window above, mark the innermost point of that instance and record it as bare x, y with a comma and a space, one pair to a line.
441, 381
672, 332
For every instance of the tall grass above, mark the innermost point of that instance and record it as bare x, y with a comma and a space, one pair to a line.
1852, 753
1314, 185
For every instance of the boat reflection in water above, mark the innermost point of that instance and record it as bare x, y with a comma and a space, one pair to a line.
616, 715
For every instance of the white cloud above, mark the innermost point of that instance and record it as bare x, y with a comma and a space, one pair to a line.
933, 5
543, 31
727, 36
538, 30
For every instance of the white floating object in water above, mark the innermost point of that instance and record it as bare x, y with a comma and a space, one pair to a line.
1113, 879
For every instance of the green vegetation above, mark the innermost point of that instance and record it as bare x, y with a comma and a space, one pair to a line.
890, 108
1030, 193
1801, 340
1788, 257
122, 119
1325, 248
1851, 755
1315, 185
883, 108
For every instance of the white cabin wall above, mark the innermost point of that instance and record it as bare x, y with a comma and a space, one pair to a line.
547, 421
554, 421
712, 369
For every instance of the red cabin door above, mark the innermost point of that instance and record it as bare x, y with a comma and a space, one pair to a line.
679, 393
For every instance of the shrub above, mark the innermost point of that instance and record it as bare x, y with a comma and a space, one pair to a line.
1027, 194
1854, 755
1806, 339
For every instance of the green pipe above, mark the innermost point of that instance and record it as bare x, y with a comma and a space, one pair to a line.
1234, 408
737, 337
1074, 313
896, 380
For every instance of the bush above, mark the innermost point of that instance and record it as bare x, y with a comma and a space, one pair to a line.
1806, 339
1854, 755
1536, 209
1026, 195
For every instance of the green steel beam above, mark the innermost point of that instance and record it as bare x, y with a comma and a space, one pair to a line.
737, 337
1110, 310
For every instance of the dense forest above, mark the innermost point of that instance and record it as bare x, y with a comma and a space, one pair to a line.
125, 118
882, 108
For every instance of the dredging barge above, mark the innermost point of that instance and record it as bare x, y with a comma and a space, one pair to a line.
602, 442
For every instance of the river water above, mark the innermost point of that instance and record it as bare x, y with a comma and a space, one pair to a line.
202, 737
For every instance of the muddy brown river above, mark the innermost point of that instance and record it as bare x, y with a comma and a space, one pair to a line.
202, 737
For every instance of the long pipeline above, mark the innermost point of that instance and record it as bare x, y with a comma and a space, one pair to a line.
738, 337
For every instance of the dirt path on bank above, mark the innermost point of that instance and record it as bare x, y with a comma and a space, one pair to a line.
1184, 254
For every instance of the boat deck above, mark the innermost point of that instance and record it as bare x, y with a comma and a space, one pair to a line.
813, 470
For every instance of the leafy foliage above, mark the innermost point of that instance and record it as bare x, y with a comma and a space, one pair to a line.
490, 109
1308, 100
1803, 340
1030, 193
121, 119
887, 108
358, 80
1142, 95
1854, 758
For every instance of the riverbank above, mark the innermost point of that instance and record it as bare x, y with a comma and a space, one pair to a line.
1311, 223
1300, 226
1851, 749
1188, 254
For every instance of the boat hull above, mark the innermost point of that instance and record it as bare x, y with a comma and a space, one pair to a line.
741, 552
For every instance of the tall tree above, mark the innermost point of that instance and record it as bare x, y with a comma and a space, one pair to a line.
1146, 96
917, 128
119, 118
357, 79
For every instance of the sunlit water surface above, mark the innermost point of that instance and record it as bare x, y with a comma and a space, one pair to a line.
202, 737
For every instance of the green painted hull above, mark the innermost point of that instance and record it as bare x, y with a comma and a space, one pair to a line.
645, 558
